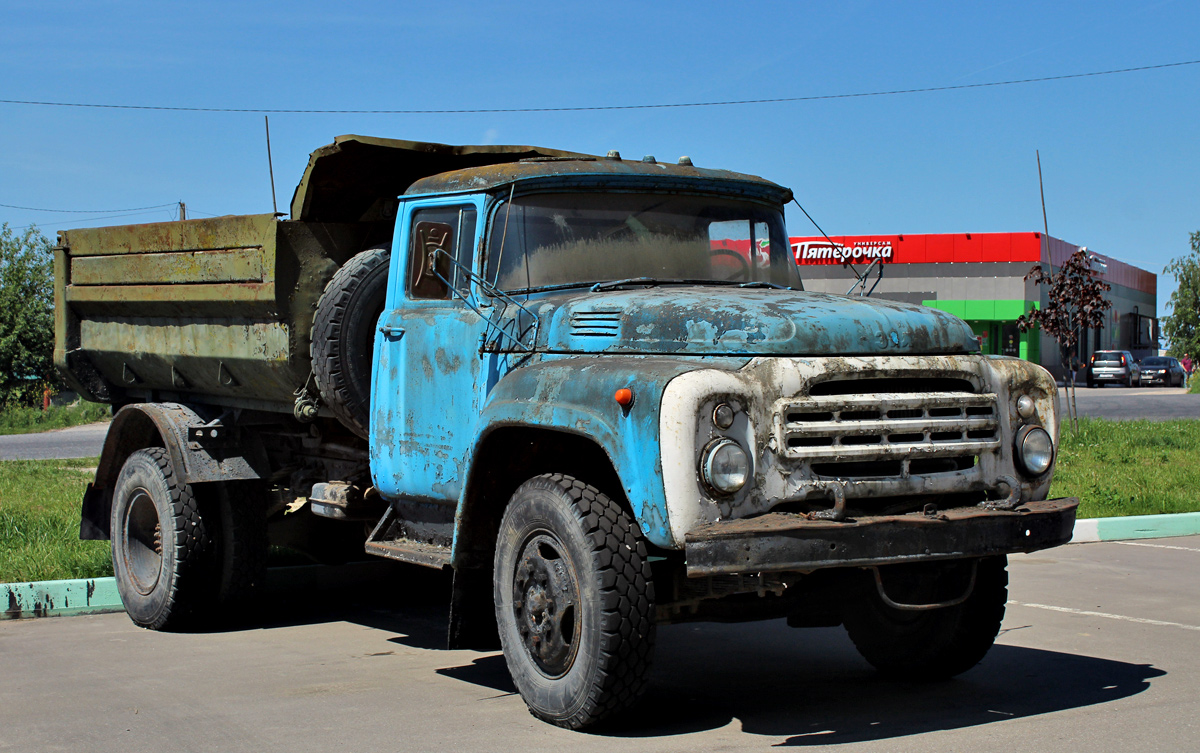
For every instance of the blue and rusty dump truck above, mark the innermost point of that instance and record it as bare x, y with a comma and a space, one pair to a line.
595, 388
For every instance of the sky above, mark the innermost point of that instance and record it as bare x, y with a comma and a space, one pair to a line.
1120, 153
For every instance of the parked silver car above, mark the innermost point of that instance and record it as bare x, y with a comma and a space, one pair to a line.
1113, 366
1162, 370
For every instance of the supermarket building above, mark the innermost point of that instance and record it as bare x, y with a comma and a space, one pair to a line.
980, 278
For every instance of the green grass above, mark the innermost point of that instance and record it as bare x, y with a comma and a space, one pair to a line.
24, 420
39, 522
1130, 467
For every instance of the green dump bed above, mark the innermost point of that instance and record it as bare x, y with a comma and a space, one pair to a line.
216, 308
220, 310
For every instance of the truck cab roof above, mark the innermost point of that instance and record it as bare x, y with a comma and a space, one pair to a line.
345, 181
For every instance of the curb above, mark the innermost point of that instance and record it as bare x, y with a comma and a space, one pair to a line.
62, 598
55, 598
1090, 530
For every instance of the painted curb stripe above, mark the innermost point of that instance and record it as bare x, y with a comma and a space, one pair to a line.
1148, 526
57, 598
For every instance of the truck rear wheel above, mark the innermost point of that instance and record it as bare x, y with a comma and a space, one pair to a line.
242, 541
574, 601
343, 337
161, 543
935, 644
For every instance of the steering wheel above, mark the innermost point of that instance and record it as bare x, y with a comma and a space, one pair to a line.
741, 269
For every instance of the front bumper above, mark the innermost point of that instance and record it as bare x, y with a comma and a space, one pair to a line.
791, 542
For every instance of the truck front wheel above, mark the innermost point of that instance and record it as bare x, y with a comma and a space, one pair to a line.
574, 601
161, 543
934, 644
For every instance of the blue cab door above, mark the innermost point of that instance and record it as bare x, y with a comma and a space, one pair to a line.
427, 386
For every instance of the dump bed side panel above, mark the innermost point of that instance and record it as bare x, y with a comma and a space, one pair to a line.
218, 308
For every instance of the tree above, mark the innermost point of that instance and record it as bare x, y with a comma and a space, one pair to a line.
1182, 327
1076, 302
26, 315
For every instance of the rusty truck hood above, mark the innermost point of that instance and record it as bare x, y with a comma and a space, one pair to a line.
710, 320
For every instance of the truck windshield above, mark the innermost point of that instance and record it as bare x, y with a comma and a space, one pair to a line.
569, 239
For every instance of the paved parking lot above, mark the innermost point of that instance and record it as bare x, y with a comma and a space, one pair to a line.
1099, 653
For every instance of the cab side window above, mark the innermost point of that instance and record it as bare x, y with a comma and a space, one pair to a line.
441, 248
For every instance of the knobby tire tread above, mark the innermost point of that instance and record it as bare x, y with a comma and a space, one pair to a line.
245, 542
193, 544
627, 600
348, 401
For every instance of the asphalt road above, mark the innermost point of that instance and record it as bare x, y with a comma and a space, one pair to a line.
77, 442
1123, 403
1098, 653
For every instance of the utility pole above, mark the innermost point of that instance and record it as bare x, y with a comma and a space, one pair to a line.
1045, 225
182, 211
270, 166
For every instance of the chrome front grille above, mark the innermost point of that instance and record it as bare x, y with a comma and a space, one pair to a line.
887, 426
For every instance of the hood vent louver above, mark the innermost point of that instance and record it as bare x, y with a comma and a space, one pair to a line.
596, 324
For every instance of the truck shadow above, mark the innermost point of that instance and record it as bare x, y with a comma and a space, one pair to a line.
406, 599
807, 687
810, 687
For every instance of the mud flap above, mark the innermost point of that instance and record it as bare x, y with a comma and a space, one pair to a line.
472, 614
95, 513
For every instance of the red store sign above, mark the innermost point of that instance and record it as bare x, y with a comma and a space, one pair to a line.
824, 252
918, 249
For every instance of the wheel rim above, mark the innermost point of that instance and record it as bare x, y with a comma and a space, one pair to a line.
142, 550
546, 605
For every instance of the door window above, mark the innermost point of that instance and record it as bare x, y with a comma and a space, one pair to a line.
441, 248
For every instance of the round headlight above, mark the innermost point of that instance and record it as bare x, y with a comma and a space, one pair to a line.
1025, 406
1035, 450
723, 416
724, 466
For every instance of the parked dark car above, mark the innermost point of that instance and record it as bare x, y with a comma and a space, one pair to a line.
1162, 370
1113, 366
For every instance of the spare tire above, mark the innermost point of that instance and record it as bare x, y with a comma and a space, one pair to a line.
343, 337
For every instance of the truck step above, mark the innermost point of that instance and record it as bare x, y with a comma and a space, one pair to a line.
415, 532
414, 552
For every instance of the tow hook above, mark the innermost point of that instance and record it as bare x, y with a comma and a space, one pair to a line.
1011, 501
923, 607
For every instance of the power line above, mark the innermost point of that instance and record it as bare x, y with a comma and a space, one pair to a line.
498, 110
87, 211
90, 219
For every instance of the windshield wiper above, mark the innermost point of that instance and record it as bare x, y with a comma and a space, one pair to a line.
763, 284
548, 288
646, 281
650, 282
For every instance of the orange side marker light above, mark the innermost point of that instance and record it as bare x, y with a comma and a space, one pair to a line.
624, 397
